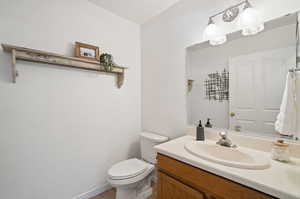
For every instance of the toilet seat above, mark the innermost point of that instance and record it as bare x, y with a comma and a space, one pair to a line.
132, 180
127, 169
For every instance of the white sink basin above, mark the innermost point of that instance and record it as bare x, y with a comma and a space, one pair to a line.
239, 157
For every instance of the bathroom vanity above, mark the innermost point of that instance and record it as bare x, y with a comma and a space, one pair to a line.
184, 175
179, 180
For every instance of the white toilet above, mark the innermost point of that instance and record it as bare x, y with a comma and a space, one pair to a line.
132, 178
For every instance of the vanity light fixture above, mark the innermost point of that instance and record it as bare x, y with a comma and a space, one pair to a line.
249, 21
214, 34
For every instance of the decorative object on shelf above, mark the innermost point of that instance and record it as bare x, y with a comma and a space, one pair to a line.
190, 84
27, 54
107, 61
250, 22
280, 151
87, 51
217, 86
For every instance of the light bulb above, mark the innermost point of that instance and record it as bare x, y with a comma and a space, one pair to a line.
214, 34
250, 21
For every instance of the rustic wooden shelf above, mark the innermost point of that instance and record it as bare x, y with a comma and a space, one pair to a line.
27, 54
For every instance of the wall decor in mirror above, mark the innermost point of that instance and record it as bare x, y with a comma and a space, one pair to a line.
217, 86
248, 85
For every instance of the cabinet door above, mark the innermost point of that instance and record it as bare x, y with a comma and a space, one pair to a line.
169, 188
212, 186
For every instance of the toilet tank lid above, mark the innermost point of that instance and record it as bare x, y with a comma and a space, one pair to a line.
154, 137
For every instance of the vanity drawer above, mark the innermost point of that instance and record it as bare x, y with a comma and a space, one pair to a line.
212, 186
170, 188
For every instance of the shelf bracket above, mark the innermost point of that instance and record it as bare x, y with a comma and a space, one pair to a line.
120, 79
14, 69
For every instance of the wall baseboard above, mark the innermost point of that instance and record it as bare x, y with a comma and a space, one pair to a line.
93, 192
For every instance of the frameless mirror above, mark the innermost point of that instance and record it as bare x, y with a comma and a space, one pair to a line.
239, 85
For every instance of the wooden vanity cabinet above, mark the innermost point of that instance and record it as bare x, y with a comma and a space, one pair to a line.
178, 180
171, 188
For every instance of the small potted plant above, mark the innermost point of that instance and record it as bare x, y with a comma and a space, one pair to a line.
107, 61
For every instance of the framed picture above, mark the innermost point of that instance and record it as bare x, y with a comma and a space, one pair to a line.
87, 51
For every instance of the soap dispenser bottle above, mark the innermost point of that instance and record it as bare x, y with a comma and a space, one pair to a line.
200, 132
208, 124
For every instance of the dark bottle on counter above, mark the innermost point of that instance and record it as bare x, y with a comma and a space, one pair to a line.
208, 124
200, 132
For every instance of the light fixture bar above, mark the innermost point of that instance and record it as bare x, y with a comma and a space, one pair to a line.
250, 22
234, 6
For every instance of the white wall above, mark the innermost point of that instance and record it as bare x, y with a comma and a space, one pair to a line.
164, 40
61, 129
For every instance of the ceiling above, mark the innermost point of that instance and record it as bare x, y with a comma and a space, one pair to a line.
138, 11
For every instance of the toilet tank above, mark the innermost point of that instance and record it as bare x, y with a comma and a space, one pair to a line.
148, 141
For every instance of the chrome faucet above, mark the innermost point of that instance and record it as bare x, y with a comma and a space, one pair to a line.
225, 141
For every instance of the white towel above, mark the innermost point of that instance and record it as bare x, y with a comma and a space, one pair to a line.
286, 123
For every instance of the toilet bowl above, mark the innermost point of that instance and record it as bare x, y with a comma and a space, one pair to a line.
132, 178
